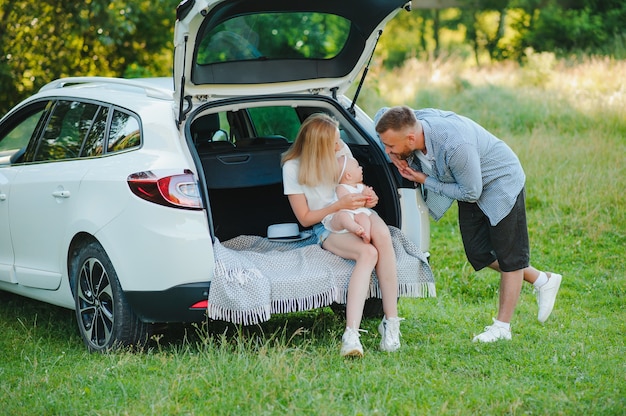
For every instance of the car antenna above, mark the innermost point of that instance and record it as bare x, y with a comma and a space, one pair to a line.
358, 89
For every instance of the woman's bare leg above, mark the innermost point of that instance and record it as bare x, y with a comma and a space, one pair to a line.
386, 267
351, 247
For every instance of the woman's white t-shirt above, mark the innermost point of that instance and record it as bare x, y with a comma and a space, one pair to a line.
317, 197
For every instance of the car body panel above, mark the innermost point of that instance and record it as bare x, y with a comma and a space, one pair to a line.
44, 195
7, 270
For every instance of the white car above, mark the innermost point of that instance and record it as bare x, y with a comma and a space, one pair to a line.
113, 191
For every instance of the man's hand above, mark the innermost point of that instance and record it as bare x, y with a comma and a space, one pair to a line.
408, 172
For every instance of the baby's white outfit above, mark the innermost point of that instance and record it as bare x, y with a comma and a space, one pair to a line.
356, 189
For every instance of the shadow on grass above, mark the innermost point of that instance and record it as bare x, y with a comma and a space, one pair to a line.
292, 329
23, 320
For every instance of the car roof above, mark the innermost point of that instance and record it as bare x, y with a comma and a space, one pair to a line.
161, 87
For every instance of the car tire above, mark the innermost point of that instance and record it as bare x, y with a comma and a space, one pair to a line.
105, 319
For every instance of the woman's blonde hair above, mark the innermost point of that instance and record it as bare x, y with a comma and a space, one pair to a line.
315, 147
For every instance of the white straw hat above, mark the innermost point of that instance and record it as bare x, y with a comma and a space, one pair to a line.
285, 231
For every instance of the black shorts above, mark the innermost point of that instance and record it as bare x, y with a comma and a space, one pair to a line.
506, 242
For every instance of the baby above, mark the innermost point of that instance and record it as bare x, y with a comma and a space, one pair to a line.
356, 221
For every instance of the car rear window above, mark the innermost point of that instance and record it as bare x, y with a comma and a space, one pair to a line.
274, 36
124, 133
275, 121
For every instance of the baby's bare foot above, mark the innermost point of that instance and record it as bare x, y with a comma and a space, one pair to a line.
365, 236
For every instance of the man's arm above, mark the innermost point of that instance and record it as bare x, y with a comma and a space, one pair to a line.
464, 166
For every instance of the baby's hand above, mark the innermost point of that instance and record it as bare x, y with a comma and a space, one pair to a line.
372, 198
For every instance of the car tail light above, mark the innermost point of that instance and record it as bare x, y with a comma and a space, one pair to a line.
203, 304
179, 191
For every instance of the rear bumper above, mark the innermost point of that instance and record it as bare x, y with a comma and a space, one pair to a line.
171, 305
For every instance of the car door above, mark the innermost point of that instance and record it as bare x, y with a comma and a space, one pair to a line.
16, 131
43, 194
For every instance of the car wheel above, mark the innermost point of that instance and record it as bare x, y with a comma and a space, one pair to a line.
105, 319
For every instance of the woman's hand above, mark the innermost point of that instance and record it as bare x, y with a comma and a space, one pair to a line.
352, 201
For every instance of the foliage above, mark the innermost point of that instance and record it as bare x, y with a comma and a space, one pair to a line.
45, 40
555, 28
501, 30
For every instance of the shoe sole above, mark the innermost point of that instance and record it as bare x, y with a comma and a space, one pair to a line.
353, 353
476, 339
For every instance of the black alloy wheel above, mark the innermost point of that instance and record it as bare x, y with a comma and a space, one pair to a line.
105, 320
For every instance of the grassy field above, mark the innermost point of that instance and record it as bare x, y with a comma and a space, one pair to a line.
567, 122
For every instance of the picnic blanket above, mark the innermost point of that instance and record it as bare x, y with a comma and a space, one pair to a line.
256, 277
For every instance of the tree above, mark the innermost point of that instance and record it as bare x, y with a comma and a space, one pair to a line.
44, 40
570, 25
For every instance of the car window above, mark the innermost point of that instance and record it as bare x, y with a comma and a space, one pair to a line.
275, 121
64, 134
312, 35
124, 132
94, 145
20, 135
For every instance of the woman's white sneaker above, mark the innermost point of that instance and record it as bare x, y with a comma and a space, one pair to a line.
390, 332
350, 343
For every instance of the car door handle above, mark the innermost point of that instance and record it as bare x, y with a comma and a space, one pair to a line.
61, 194
3, 197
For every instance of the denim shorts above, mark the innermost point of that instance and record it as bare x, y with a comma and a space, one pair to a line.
320, 232
506, 241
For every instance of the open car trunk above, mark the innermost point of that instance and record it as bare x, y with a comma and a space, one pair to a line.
240, 152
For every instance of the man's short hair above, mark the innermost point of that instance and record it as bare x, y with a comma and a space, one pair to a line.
394, 118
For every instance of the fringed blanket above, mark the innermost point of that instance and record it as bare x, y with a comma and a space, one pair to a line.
255, 277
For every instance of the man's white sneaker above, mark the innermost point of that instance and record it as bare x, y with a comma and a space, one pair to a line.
546, 296
350, 343
390, 332
493, 333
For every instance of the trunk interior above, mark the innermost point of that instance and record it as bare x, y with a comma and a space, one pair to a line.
244, 176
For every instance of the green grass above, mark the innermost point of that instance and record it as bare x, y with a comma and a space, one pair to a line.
569, 130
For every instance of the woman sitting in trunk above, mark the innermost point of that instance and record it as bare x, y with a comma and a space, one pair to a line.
310, 176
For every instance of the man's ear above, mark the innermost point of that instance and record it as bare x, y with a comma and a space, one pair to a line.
411, 139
